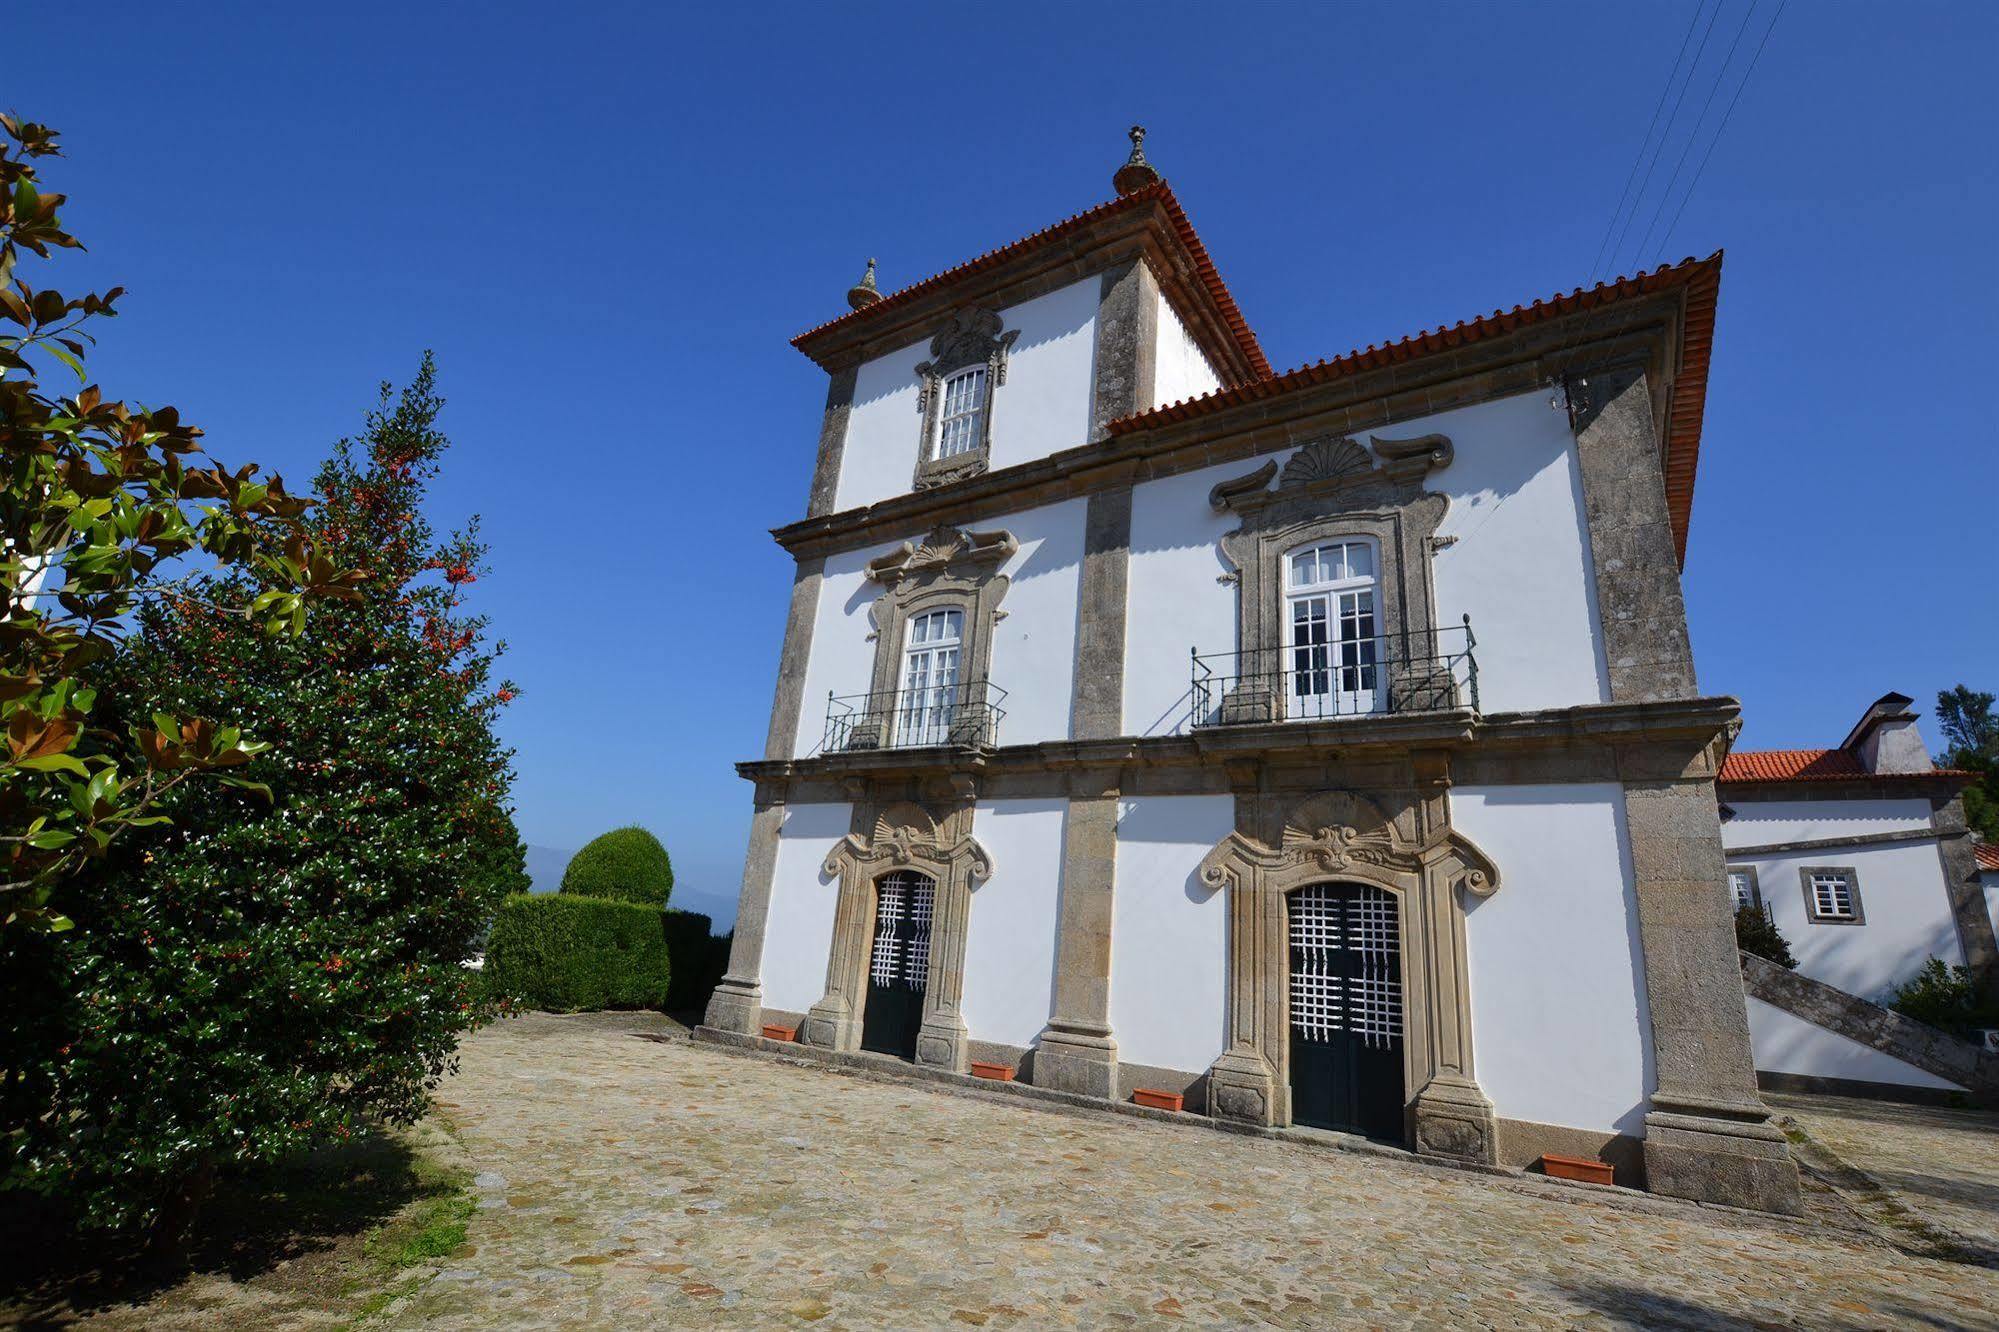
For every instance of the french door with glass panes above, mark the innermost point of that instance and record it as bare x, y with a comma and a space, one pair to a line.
1332, 665
931, 654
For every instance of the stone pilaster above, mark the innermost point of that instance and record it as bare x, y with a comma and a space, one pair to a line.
1127, 345
1097, 709
1967, 895
788, 699
832, 443
1707, 1134
737, 1003
1631, 538
1076, 1051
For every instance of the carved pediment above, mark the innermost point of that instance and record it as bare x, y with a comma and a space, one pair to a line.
1338, 828
945, 549
1334, 464
973, 335
905, 834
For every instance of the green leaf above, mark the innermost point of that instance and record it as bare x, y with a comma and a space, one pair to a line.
56, 763
50, 839
256, 788
75, 365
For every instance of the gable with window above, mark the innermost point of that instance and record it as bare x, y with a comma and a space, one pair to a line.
967, 363
1832, 895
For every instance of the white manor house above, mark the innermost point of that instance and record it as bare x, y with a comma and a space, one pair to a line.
1324, 747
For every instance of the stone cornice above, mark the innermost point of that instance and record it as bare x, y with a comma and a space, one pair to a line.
1644, 331
1638, 741
1937, 788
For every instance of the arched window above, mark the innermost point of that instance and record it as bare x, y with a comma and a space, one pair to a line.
1332, 645
930, 657
961, 419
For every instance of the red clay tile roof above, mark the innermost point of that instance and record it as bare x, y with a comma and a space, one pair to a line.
1210, 278
1988, 855
1810, 765
1790, 765
1700, 277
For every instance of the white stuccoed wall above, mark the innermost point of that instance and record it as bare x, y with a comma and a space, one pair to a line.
1169, 933
1180, 370
1010, 945
1902, 895
841, 660
1560, 1029
1990, 879
1787, 1044
1034, 643
1520, 567
1761, 822
1043, 408
798, 937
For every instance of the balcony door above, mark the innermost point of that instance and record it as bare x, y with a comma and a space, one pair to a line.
1331, 655
930, 692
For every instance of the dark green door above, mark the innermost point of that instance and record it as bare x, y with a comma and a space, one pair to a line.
1346, 1009
899, 963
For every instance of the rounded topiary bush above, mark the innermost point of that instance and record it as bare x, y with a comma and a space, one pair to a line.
625, 864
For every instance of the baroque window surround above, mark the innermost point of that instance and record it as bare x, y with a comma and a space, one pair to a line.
973, 337
901, 836
948, 570
1405, 845
1330, 489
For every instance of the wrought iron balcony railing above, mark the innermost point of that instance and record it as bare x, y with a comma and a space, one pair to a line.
962, 715
1430, 671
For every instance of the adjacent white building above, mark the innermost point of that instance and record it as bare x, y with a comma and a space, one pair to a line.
1860, 856
1323, 748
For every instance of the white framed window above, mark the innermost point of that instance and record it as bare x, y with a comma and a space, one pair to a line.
1742, 889
932, 649
1832, 895
962, 414
1332, 642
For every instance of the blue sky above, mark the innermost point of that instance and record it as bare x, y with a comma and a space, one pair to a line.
608, 221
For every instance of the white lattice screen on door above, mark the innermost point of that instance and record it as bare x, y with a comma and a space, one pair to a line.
1344, 948
905, 902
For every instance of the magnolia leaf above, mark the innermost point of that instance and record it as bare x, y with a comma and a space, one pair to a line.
55, 763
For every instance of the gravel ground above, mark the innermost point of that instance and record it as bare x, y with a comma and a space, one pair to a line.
628, 1178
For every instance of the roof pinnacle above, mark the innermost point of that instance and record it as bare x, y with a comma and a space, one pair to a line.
864, 293
1136, 173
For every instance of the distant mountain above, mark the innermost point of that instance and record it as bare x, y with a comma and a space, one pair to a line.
545, 866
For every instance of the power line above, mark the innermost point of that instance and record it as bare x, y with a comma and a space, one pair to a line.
1723, 126
1618, 245
1645, 142
1693, 135
1672, 75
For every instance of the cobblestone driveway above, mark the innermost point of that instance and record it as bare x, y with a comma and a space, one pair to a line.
628, 1182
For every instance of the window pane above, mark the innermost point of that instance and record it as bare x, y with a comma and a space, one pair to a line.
1359, 560
1304, 568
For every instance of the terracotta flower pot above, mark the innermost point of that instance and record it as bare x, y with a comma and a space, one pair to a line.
773, 1032
1158, 1100
997, 1072
1575, 1167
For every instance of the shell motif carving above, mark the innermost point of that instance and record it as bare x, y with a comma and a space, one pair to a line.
1324, 459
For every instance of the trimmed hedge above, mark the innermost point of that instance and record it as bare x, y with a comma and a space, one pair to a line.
565, 952
625, 865
699, 959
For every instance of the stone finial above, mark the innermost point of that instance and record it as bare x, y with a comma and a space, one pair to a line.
864, 293
1136, 173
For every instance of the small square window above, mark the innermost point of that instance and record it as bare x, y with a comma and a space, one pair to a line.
1832, 895
1742, 889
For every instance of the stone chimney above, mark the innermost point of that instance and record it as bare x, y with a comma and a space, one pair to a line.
1888, 739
